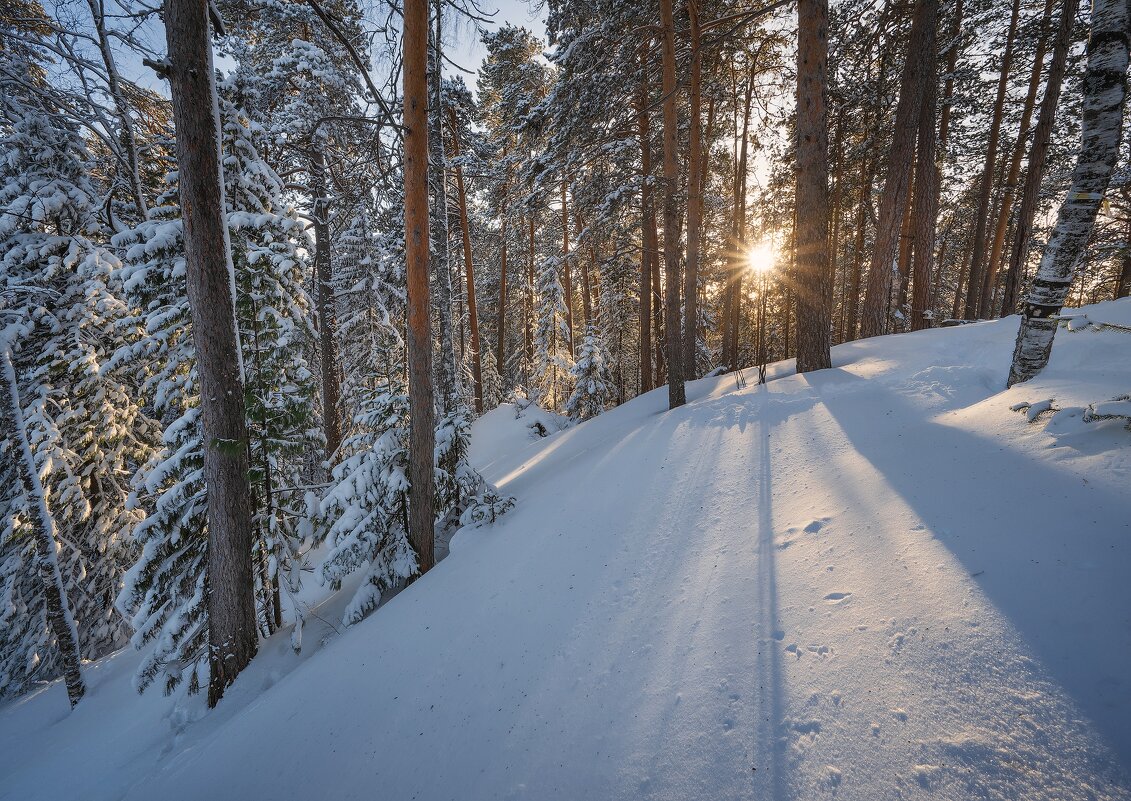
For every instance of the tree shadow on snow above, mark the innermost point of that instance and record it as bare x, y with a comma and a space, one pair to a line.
1017, 525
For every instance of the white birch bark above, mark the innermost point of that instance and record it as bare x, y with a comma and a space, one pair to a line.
1105, 90
59, 617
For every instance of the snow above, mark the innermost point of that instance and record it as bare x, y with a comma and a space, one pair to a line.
875, 582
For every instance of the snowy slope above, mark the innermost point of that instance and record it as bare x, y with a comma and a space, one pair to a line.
872, 582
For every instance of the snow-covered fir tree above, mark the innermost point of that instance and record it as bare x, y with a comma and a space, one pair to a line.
165, 591
366, 508
59, 317
550, 379
593, 387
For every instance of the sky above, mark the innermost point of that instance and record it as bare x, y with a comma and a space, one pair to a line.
465, 49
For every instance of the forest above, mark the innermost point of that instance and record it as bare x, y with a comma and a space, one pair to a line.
266, 264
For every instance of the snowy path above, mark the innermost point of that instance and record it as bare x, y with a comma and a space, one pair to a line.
876, 583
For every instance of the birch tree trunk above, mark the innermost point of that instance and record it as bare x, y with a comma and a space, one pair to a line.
232, 637
1104, 90
897, 185
422, 436
676, 392
813, 279
1038, 152
59, 617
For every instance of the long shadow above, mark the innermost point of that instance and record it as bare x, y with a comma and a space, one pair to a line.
771, 713
1024, 552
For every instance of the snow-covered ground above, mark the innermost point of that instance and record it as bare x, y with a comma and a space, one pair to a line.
872, 582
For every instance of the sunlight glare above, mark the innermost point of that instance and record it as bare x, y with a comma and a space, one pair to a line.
760, 258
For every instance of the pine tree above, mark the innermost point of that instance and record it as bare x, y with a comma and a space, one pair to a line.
59, 316
366, 509
165, 592
593, 388
552, 360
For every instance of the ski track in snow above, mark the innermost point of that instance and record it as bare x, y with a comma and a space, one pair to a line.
866, 583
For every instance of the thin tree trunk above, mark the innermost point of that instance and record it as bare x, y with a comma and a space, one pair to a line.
732, 301
1123, 281
694, 199
60, 620
1104, 90
646, 230
897, 185
1038, 152
232, 639
985, 185
868, 165
925, 212
422, 437
129, 137
327, 318
837, 193
501, 327
985, 306
528, 299
567, 286
469, 272
447, 376
906, 239
812, 277
588, 269
676, 393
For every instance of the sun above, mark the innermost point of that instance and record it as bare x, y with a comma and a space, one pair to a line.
760, 258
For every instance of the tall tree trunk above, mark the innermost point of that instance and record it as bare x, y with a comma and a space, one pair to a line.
694, 199
567, 271
676, 393
232, 638
422, 435
985, 182
868, 165
837, 196
469, 272
501, 327
1104, 90
1038, 152
327, 317
646, 230
588, 270
897, 185
59, 617
447, 378
925, 211
528, 297
985, 306
736, 260
813, 279
906, 239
